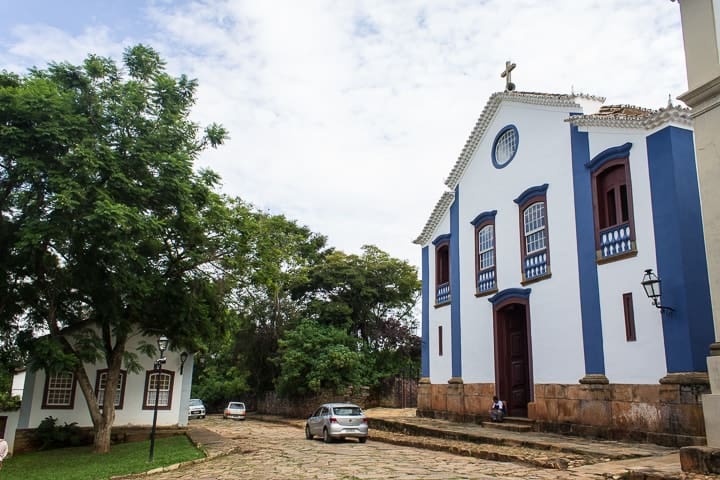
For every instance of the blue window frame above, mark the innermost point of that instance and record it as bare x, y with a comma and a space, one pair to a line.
505, 146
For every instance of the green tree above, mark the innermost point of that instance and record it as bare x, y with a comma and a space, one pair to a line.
372, 297
278, 251
105, 228
314, 357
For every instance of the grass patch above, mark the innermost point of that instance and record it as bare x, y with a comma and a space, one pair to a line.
80, 463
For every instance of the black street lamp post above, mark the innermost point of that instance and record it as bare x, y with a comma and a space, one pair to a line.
162, 344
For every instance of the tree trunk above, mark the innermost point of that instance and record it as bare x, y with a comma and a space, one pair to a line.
102, 437
102, 419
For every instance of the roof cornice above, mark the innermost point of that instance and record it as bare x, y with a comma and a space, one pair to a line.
440, 208
488, 113
653, 119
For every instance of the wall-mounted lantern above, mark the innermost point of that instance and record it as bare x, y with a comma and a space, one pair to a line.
652, 285
183, 357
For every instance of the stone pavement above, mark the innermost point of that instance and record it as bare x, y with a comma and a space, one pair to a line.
267, 447
594, 458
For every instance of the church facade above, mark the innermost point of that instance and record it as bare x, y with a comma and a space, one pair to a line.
532, 261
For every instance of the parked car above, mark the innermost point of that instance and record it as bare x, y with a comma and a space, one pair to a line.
337, 420
196, 408
235, 410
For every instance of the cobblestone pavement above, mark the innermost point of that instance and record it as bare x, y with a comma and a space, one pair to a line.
255, 449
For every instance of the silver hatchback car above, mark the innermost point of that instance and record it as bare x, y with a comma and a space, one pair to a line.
337, 420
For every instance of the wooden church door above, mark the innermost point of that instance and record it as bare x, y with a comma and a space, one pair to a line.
512, 358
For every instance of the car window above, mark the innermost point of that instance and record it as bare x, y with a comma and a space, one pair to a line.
324, 412
347, 411
236, 405
195, 401
317, 413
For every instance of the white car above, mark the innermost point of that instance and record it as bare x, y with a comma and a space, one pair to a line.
337, 420
235, 410
196, 408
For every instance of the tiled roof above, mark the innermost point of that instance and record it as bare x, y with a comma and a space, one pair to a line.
440, 208
629, 116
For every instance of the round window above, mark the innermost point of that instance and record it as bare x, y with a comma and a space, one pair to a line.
505, 146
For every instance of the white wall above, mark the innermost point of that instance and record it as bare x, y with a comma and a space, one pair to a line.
10, 427
543, 157
642, 361
440, 366
132, 412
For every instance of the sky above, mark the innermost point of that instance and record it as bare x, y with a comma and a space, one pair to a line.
348, 115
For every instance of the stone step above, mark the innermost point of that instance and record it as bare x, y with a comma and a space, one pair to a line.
509, 426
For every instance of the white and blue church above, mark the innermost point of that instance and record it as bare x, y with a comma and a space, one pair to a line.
559, 213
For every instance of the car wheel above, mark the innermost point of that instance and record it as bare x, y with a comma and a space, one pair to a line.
308, 435
203, 416
362, 439
224, 417
326, 436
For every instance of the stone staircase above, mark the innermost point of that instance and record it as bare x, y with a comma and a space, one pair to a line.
512, 424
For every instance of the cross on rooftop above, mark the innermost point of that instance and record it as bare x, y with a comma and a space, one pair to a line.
509, 67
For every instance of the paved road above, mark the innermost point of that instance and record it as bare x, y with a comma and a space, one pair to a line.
270, 451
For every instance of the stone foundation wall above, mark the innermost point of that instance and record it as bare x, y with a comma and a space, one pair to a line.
302, 407
24, 437
666, 414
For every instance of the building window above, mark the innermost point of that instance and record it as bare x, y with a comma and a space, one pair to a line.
164, 380
612, 204
629, 317
59, 390
505, 146
442, 270
101, 386
535, 245
440, 341
485, 271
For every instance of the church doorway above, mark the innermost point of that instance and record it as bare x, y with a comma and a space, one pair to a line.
513, 369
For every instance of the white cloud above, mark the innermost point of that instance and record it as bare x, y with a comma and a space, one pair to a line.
348, 116
41, 44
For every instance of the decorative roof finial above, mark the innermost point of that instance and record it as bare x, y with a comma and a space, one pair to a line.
670, 104
509, 67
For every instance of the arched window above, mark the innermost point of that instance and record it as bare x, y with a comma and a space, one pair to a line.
101, 387
162, 380
612, 203
534, 238
486, 282
442, 270
443, 264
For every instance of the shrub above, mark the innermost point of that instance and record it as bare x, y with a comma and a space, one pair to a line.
9, 402
49, 435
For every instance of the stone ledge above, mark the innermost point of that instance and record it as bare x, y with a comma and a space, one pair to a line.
703, 460
686, 378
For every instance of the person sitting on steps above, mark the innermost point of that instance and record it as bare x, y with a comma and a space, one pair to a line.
497, 411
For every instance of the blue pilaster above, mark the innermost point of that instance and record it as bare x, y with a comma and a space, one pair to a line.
680, 249
456, 341
587, 266
425, 327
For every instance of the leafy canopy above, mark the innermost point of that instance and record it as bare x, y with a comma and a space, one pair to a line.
105, 227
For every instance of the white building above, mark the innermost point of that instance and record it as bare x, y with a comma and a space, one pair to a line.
532, 264
58, 395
